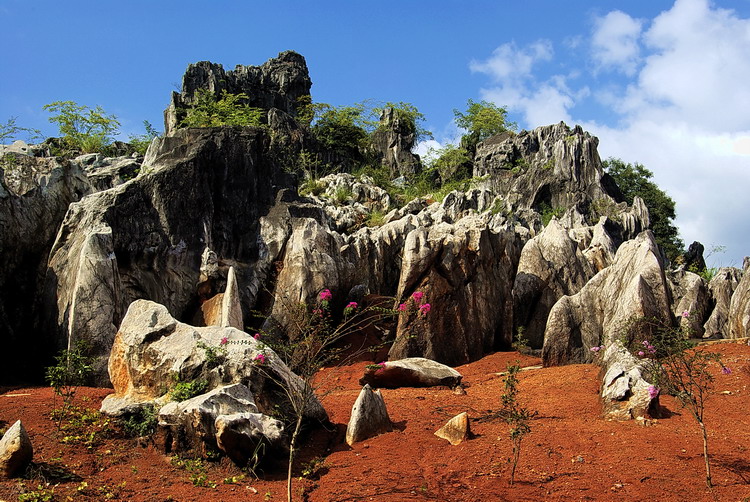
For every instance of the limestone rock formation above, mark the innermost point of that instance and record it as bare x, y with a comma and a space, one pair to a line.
151, 349
369, 417
393, 142
633, 286
624, 392
721, 287
277, 83
739, 308
456, 430
691, 301
411, 372
551, 266
16, 451
240, 434
145, 238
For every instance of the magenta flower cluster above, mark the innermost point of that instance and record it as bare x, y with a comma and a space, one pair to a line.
325, 295
597, 348
350, 307
653, 391
417, 297
648, 349
259, 359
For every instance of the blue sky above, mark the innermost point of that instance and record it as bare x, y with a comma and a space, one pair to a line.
663, 83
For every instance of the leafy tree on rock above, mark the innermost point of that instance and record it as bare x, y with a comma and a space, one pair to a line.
635, 179
83, 129
481, 120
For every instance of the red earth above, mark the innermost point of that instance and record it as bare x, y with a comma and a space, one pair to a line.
570, 454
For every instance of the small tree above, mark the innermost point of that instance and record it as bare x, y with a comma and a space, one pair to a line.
481, 120
228, 110
515, 415
72, 369
10, 130
82, 128
141, 142
312, 339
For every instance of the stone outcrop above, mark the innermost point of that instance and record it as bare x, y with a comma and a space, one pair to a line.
393, 142
551, 266
369, 417
633, 286
456, 430
624, 391
16, 451
152, 351
691, 301
739, 308
721, 287
277, 83
411, 372
199, 188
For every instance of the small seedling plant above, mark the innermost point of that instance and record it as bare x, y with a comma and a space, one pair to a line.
71, 370
516, 416
680, 369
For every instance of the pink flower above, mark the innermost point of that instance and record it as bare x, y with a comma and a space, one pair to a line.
726, 370
417, 295
260, 359
256, 336
402, 307
595, 349
653, 391
641, 353
317, 312
685, 314
224, 341
423, 309
325, 295
382, 366
352, 305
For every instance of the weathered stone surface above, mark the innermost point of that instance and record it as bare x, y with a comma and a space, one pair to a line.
633, 286
226, 418
231, 309
151, 348
690, 296
369, 417
462, 268
551, 266
456, 430
624, 391
16, 451
411, 372
106, 172
694, 257
146, 238
239, 434
277, 83
739, 308
393, 142
721, 288
34, 195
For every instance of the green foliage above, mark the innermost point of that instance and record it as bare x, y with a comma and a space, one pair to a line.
482, 119
341, 129
376, 218
71, 370
312, 186
228, 110
409, 117
521, 344
215, 356
450, 162
10, 131
635, 179
342, 195
83, 426
603, 207
516, 416
82, 128
142, 423
197, 471
183, 391
547, 212
141, 142
41, 494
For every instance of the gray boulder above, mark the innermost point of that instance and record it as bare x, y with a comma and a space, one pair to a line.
551, 266
240, 435
16, 451
690, 296
721, 287
633, 286
369, 417
739, 308
411, 372
624, 390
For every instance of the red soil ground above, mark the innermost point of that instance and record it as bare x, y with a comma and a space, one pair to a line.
571, 453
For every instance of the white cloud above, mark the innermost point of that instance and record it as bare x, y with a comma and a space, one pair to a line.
614, 43
508, 62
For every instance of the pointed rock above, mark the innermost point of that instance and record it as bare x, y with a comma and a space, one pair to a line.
456, 430
231, 310
16, 451
369, 417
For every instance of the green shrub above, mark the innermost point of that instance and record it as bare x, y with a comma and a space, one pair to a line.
342, 195
82, 128
142, 423
376, 218
228, 110
72, 369
183, 391
10, 131
141, 142
312, 186
516, 416
546, 212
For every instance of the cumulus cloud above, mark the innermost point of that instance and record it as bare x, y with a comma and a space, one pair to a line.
614, 42
508, 62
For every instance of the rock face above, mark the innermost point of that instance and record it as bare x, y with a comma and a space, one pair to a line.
393, 142
411, 372
200, 188
691, 301
739, 308
277, 83
369, 417
633, 286
456, 430
551, 266
151, 350
16, 451
721, 288
624, 392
